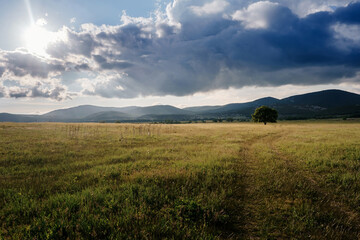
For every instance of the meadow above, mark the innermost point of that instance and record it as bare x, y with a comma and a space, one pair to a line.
289, 180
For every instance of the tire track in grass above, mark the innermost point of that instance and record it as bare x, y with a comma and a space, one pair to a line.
249, 218
329, 200
282, 200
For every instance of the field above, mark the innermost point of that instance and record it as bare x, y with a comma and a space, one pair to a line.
192, 181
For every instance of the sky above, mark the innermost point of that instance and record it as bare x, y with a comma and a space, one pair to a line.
64, 53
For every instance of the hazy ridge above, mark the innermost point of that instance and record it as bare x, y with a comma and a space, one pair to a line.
323, 104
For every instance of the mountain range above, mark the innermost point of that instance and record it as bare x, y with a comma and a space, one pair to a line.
323, 104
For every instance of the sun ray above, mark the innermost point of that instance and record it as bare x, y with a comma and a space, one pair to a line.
28, 7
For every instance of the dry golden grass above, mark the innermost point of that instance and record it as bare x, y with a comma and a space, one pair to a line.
201, 181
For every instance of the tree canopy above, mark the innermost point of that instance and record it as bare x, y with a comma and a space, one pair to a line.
265, 114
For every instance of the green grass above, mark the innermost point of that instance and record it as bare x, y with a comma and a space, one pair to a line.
295, 180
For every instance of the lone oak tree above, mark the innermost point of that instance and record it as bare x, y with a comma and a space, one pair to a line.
265, 114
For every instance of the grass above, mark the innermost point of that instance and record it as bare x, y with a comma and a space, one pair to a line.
295, 180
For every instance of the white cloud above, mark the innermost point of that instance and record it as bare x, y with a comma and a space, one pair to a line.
73, 20
256, 15
106, 84
217, 6
314, 8
41, 22
305, 7
36, 89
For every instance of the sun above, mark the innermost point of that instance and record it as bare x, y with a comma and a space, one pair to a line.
38, 38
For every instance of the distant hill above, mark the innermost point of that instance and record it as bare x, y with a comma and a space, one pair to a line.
323, 104
108, 116
323, 99
79, 112
157, 110
7, 117
233, 107
202, 109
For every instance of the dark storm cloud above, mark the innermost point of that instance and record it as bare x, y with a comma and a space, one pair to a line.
212, 52
349, 14
202, 45
308, 41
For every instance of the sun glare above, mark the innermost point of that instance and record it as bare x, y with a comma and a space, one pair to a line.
38, 38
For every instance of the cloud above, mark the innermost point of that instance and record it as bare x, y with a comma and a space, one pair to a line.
347, 36
82, 43
58, 93
302, 8
198, 46
41, 22
31, 76
2, 70
108, 85
22, 63
217, 6
2, 91
257, 15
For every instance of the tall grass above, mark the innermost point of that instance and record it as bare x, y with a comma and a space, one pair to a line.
193, 181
